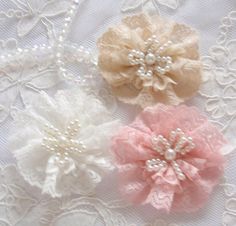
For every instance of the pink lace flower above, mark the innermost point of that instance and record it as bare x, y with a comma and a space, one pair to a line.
169, 157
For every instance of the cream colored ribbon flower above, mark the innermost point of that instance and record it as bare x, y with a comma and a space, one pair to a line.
150, 59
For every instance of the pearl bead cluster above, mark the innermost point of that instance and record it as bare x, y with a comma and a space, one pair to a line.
178, 143
178, 171
63, 145
152, 60
155, 164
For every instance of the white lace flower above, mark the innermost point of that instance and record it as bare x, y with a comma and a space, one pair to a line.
61, 144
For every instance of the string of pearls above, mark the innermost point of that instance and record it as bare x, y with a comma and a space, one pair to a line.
56, 54
152, 60
59, 50
79, 54
38, 53
178, 143
63, 145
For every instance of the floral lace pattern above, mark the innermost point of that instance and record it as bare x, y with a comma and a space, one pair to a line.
26, 71
219, 89
131, 5
27, 68
229, 217
21, 204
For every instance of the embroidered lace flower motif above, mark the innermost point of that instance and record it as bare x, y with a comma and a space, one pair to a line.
38, 11
60, 144
169, 157
149, 59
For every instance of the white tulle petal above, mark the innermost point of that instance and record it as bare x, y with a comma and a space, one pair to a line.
61, 144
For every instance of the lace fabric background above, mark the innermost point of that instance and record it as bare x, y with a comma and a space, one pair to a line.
30, 58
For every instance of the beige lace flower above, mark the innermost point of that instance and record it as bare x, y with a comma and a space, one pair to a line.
150, 59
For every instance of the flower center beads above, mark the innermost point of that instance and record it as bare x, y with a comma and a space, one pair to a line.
62, 144
152, 60
176, 146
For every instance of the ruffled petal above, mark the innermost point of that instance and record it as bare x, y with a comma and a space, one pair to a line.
54, 173
134, 187
187, 77
161, 198
131, 145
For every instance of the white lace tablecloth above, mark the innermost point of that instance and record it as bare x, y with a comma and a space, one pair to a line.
30, 62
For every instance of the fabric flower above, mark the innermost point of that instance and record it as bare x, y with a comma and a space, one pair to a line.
150, 59
169, 157
61, 144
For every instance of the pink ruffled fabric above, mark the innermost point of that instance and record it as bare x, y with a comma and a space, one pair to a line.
202, 166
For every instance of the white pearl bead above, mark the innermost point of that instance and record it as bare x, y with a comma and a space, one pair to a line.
141, 55
61, 162
62, 139
158, 58
162, 71
170, 154
181, 176
150, 58
167, 68
149, 74
157, 69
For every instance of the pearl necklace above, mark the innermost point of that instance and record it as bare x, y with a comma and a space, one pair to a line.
152, 60
63, 145
57, 53
170, 150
